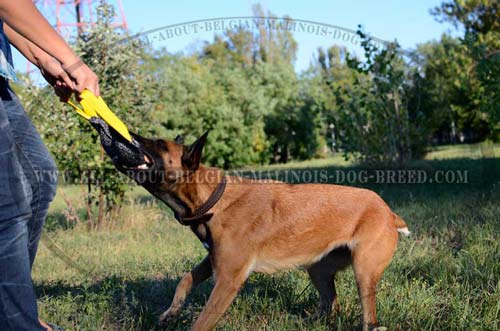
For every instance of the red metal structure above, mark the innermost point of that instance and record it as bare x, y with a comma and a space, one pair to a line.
71, 17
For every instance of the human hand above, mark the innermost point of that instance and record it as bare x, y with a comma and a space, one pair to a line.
83, 77
55, 75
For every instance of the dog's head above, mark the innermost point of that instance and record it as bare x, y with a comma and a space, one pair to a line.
166, 162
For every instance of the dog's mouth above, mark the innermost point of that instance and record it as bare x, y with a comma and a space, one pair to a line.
147, 165
143, 160
130, 157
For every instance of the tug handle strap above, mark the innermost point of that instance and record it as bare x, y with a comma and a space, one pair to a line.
92, 106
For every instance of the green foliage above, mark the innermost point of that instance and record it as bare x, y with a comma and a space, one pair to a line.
72, 141
198, 96
444, 93
481, 22
386, 135
364, 102
243, 88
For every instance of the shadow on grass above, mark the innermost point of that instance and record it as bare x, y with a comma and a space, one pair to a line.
143, 300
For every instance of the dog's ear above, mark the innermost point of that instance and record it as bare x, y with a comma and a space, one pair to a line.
191, 156
179, 139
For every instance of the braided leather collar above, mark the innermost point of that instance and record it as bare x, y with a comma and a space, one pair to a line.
200, 216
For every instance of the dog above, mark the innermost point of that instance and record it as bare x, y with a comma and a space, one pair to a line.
250, 226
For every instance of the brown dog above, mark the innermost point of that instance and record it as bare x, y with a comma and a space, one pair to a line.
268, 227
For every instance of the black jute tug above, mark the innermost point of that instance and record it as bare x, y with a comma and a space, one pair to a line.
118, 148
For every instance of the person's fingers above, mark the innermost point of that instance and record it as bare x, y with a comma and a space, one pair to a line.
92, 82
77, 95
79, 87
65, 95
82, 84
62, 91
53, 69
97, 89
92, 86
67, 80
83, 78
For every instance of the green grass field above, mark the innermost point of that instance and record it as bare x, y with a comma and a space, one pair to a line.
445, 276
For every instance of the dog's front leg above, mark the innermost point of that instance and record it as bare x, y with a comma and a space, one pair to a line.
226, 288
199, 274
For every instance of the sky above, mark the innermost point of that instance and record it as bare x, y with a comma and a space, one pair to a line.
407, 21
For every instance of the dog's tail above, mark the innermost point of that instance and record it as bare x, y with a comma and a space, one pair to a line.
401, 225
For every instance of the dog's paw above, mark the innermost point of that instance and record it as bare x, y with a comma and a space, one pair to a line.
166, 316
380, 328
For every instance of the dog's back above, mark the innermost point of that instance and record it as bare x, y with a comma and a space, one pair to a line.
288, 225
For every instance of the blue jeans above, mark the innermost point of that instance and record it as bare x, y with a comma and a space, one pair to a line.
28, 179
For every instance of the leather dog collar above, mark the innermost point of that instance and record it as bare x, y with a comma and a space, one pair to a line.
200, 216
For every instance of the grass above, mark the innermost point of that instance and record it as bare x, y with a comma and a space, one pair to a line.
474, 151
444, 277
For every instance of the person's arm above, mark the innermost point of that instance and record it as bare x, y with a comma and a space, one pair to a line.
31, 52
23, 17
37, 56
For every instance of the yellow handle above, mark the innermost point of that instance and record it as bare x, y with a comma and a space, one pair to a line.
81, 111
95, 106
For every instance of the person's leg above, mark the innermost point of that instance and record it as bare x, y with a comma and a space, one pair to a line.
18, 307
38, 166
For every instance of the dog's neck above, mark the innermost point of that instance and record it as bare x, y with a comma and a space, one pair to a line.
191, 192
198, 187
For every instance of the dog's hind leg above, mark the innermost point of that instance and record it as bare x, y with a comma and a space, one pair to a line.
369, 259
322, 275
200, 273
323, 280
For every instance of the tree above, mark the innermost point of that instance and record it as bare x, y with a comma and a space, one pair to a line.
374, 109
481, 22
196, 95
328, 78
243, 87
444, 94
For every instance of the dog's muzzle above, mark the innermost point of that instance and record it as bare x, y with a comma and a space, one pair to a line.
122, 152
